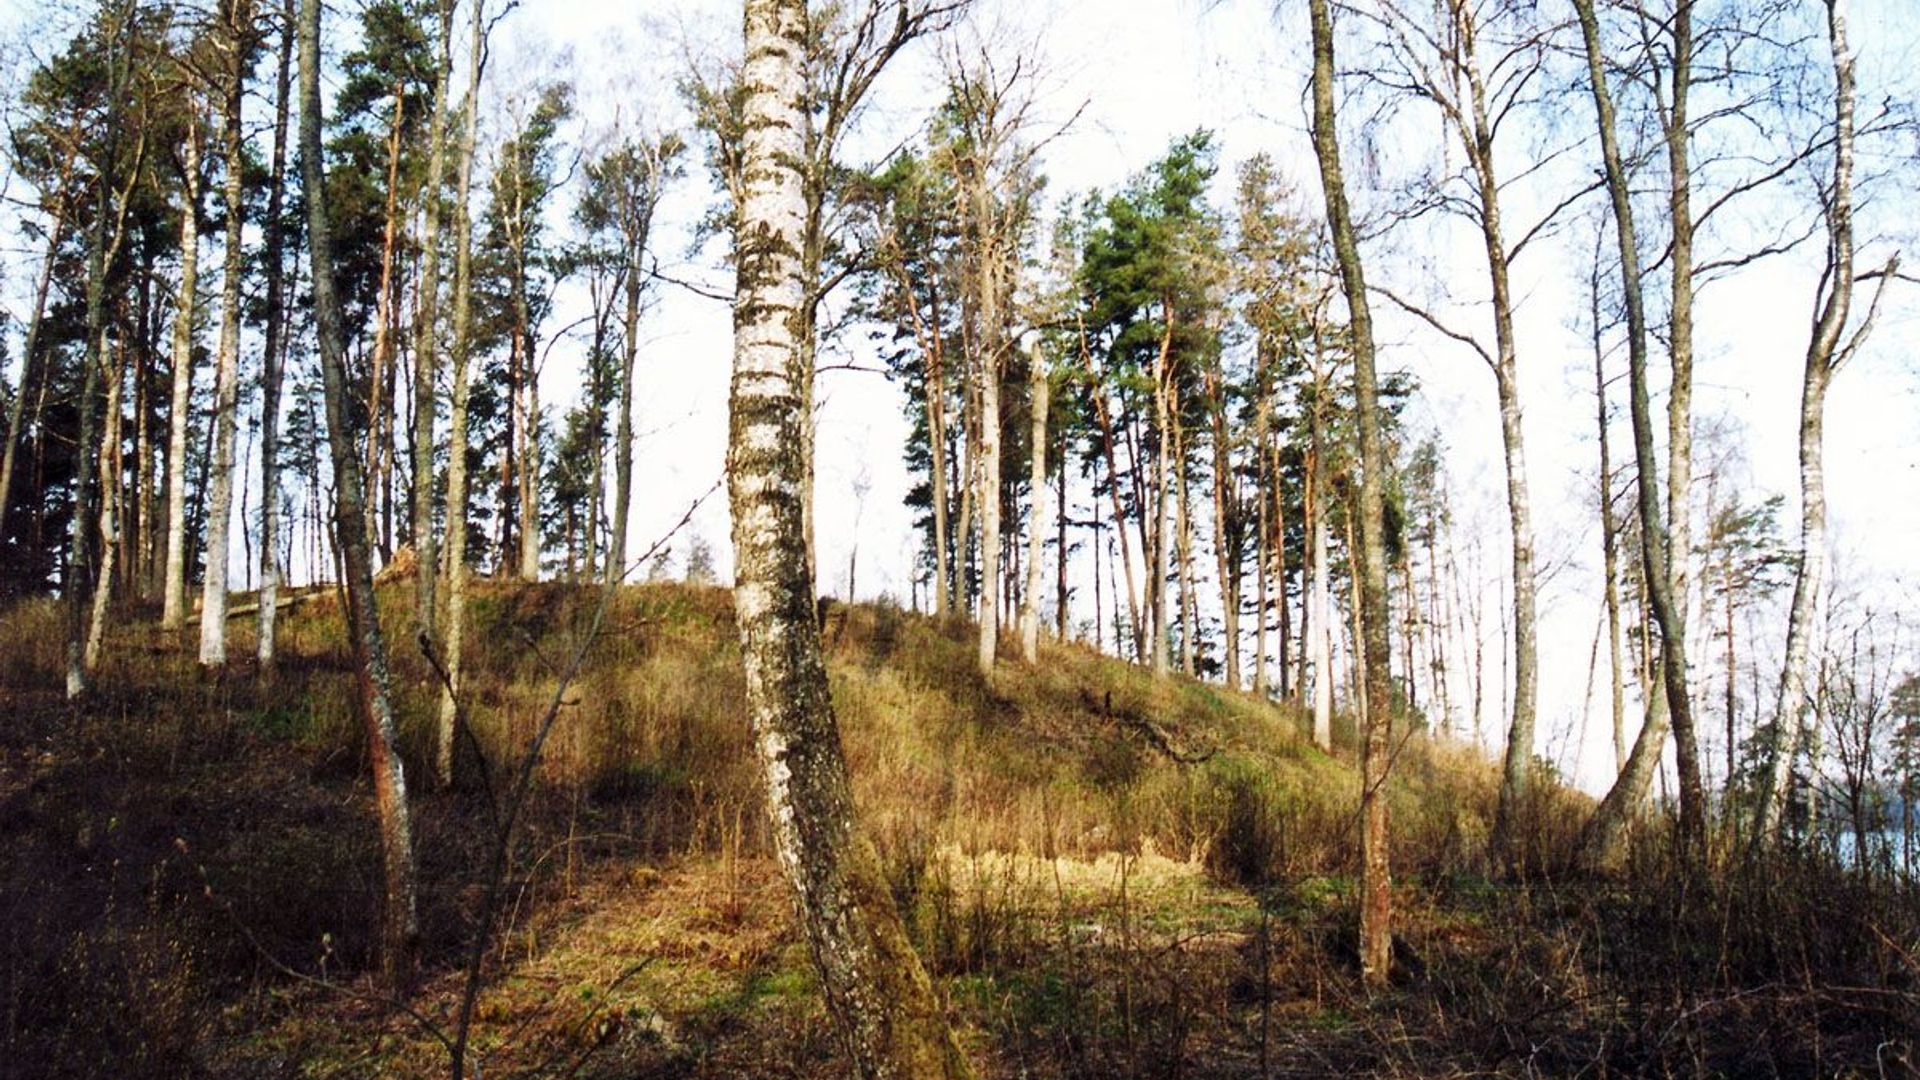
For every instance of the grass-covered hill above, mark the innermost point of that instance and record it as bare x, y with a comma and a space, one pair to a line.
1108, 876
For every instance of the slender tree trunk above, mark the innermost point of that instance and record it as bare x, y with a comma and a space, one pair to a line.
101, 253
457, 448
1060, 592
937, 471
1601, 839
1226, 556
1376, 940
1163, 494
1609, 544
173, 611
637, 225
1825, 351
273, 355
426, 341
1318, 624
880, 997
380, 404
400, 928
1183, 539
238, 15
1113, 494
110, 501
1671, 609
1041, 521
139, 560
1263, 487
988, 478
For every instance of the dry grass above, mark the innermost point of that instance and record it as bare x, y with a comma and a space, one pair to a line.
1110, 876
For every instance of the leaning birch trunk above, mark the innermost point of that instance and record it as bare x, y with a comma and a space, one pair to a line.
456, 569
226, 385
1600, 841
425, 341
1477, 133
173, 609
272, 361
1824, 354
400, 928
880, 997
1376, 940
1042, 521
1672, 600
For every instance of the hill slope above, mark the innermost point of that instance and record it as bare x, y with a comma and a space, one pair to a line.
1110, 877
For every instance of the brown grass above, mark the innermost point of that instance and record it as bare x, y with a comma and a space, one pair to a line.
1109, 876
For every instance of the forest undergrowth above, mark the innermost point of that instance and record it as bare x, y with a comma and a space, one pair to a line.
1107, 876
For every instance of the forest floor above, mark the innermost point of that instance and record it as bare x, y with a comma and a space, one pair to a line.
1108, 877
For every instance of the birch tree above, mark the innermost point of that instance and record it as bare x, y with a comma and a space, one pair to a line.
880, 996
1834, 339
457, 571
273, 350
237, 42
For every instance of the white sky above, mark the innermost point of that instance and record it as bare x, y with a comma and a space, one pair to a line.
1147, 71
1150, 70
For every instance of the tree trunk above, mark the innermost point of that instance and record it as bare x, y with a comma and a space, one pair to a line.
101, 252
1183, 548
426, 325
880, 997
1163, 494
173, 610
457, 449
1040, 521
1824, 354
1113, 494
238, 15
109, 516
1609, 545
380, 404
988, 478
1601, 838
1376, 940
1318, 625
636, 225
273, 356
1671, 602
1224, 500
400, 928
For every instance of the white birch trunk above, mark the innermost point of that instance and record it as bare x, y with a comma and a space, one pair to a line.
876, 990
173, 610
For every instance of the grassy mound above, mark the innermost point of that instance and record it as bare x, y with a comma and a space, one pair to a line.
1109, 875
